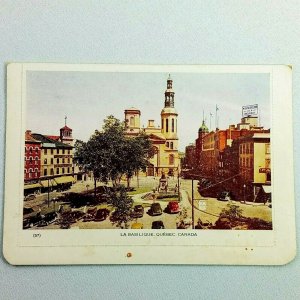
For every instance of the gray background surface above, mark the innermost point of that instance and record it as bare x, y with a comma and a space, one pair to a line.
153, 32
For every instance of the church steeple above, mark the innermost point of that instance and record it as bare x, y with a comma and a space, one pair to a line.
169, 94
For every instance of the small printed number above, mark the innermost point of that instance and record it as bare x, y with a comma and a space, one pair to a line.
37, 235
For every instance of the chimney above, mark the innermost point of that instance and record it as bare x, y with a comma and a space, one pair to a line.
27, 134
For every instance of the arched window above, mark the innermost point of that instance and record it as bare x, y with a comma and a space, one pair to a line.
131, 121
167, 125
52, 172
171, 159
173, 125
171, 145
162, 124
57, 171
167, 144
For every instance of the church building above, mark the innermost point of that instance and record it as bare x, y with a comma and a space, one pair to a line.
164, 138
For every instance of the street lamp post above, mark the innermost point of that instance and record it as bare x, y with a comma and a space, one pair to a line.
193, 204
48, 192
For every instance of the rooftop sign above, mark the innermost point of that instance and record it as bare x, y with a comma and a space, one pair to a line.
250, 110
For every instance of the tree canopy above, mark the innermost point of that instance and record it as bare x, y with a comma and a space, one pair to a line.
109, 153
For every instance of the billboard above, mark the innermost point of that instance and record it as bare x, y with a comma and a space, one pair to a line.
250, 110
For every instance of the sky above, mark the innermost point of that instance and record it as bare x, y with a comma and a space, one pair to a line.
87, 98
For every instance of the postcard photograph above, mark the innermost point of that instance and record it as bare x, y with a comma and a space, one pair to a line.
147, 150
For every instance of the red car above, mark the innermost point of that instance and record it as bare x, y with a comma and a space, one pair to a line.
173, 207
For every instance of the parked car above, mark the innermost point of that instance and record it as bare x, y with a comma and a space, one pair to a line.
90, 214
184, 224
155, 209
101, 214
32, 219
30, 197
225, 196
137, 226
138, 211
158, 225
173, 207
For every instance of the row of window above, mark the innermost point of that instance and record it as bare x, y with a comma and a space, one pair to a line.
63, 160
246, 148
63, 171
56, 151
167, 125
30, 149
31, 158
29, 175
246, 162
31, 170
170, 145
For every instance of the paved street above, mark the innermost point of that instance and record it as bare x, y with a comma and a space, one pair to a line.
207, 209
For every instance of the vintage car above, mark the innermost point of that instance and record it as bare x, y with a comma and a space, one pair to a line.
155, 209
138, 211
225, 196
173, 207
101, 214
137, 226
158, 225
90, 214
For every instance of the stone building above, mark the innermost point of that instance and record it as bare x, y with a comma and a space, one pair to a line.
164, 138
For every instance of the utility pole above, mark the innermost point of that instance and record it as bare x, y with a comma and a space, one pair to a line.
193, 223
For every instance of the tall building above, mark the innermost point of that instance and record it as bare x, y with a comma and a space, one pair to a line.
164, 138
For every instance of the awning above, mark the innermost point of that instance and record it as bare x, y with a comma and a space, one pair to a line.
44, 183
32, 186
267, 189
64, 179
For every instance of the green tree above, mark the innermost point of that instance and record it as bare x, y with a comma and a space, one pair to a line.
109, 154
123, 205
136, 153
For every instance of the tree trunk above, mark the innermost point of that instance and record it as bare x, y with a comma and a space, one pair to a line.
95, 187
128, 182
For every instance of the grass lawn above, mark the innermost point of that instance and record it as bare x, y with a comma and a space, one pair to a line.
140, 190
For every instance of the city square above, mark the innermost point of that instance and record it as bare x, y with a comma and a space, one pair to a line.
130, 175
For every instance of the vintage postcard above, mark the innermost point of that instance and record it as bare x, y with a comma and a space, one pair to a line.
149, 164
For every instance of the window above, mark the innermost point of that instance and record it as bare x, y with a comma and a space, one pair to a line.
30, 160
51, 151
173, 125
51, 161
69, 151
162, 124
171, 145
52, 172
132, 121
45, 151
171, 159
57, 160
63, 151
45, 172
30, 150
68, 170
63, 160
57, 171
45, 161
68, 160
167, 125
167, 144
63, 170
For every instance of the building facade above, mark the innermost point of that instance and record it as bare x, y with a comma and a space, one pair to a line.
164, 138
